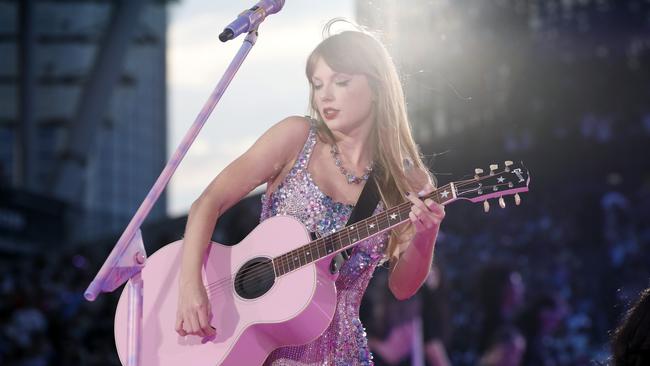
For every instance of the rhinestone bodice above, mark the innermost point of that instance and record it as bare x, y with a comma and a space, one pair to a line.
344, 341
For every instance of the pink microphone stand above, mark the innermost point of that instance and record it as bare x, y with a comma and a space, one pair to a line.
128, 257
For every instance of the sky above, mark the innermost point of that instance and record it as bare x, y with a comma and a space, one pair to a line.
269, 86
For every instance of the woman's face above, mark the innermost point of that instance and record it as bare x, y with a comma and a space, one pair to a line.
345, 101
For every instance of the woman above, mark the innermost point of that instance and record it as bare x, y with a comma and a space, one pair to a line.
315, 168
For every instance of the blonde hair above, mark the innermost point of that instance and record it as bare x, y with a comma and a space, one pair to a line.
395, 153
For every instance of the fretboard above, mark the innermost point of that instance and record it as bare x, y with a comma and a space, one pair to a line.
354, 233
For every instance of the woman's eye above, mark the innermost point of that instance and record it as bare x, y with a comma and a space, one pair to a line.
339, 83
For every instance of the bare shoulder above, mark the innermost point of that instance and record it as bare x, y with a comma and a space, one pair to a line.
279, 146
262, 162
283, 139
293, 129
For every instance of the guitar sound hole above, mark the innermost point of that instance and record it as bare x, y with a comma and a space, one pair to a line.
254, 278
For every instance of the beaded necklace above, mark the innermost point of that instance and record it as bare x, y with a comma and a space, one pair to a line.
352, 179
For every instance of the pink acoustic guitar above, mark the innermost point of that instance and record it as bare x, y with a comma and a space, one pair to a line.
274, 288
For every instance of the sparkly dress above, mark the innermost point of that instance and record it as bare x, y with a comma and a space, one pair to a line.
344, 341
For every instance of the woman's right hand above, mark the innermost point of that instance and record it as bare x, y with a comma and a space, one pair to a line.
194, 311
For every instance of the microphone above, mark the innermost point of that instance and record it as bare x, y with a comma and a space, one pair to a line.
250, 19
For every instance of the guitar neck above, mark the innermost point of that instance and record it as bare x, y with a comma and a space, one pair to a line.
350, 235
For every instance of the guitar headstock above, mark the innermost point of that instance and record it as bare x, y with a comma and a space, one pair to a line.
513, 178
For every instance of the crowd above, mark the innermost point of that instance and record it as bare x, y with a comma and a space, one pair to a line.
44, 319
543, 283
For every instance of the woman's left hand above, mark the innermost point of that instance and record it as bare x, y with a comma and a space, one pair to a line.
427, 215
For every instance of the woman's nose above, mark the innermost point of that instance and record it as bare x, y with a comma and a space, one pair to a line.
326, 94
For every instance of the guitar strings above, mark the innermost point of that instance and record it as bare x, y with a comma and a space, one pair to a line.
254, 272
259, 269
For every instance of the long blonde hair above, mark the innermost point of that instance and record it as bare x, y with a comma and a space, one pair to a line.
396, 153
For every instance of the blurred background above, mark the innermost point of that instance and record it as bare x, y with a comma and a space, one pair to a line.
96, 95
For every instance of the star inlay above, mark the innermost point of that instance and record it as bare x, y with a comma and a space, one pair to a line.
501, 179
371, 226
393, 216
444, 193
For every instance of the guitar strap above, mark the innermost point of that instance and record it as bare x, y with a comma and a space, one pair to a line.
363, 209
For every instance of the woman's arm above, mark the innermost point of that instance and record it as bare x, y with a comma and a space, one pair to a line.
263, 161
414, 262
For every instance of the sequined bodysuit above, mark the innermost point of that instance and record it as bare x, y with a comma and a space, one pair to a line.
344, 342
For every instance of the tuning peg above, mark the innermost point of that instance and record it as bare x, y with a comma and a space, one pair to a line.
508, 163
502, 203
493, 167
486, 206
517, 199
478, 171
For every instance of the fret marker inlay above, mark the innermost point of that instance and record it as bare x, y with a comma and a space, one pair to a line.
393, 216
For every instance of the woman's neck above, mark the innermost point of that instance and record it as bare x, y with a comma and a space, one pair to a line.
356, 147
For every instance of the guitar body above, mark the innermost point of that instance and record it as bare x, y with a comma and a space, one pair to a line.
262, 296
296, 309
